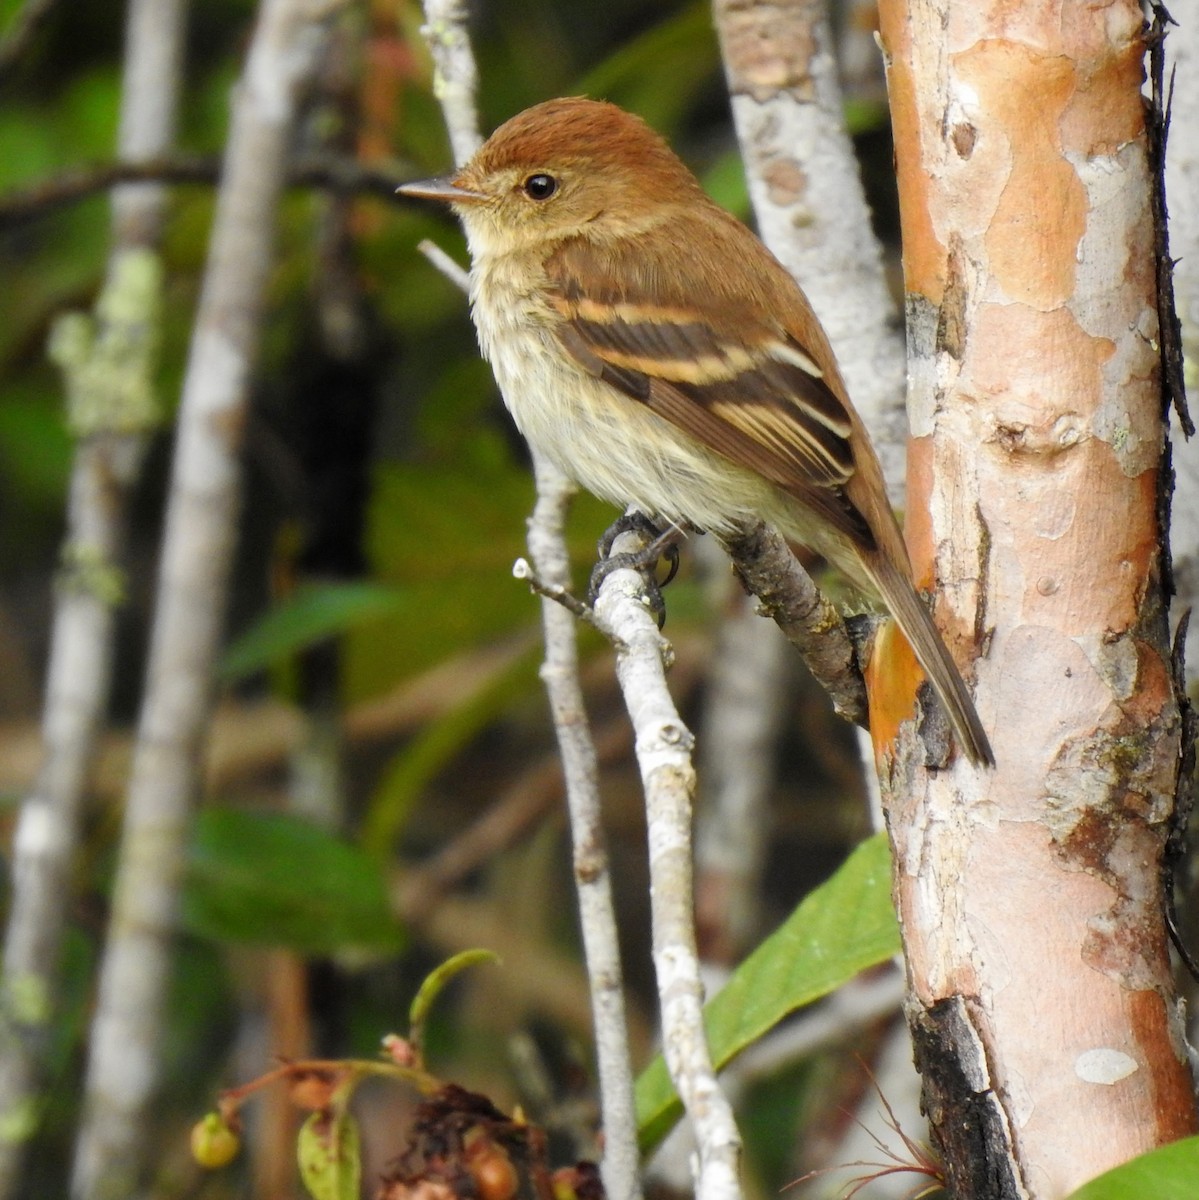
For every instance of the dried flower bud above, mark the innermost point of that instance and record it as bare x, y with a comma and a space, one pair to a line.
492, 1170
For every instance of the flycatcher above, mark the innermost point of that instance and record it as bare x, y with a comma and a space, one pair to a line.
650, 345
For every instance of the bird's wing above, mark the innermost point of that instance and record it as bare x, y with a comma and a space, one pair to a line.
745, 387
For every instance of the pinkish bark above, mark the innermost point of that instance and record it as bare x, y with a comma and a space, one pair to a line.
1040, 992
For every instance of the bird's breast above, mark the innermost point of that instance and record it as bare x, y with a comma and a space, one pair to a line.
608, 443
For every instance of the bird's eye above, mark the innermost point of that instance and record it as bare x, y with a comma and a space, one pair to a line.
540, 187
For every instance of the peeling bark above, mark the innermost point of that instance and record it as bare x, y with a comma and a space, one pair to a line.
1041, 999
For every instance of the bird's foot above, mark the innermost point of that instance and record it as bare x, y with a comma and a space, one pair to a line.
660, 544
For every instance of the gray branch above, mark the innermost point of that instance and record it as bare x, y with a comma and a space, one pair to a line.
108, 362
664, 746
455, 76
1182, 186
332, 172
593, 881
455, 84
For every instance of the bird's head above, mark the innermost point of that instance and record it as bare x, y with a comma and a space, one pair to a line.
561, 169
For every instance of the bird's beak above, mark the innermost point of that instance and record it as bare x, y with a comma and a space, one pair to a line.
445, 190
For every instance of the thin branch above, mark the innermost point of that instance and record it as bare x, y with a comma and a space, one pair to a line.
249, 737
455, 83
746, 706
664, 747
457, 275
330, 172
455, 76
863, 1001
534, 794
814, 627
558, 593
125, 1061
147, 128
560, 674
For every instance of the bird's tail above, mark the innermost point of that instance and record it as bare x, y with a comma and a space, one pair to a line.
915, 621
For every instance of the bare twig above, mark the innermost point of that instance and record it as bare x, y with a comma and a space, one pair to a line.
547, 546
147, 127
531, 796
249, 737
664, 754
963, 887
455, 76
455, 83
745, 709
557, 592
125, 1063
330, 172
457, 275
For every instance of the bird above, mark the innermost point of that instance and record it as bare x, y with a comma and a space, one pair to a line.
650, 345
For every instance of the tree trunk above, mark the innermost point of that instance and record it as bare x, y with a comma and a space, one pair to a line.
1040, 995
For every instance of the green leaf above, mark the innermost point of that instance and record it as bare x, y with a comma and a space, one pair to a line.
312, 614
329, 1155
1167, 1173
274, 879
434, 984
842, 927
446, 534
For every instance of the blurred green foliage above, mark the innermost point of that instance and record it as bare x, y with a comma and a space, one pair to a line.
278, 880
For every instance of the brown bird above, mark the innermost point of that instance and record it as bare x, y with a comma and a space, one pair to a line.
650, 345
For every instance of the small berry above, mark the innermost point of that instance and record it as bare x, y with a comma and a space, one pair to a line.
213, 1143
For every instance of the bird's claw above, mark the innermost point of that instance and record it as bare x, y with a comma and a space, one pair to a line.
660, 545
